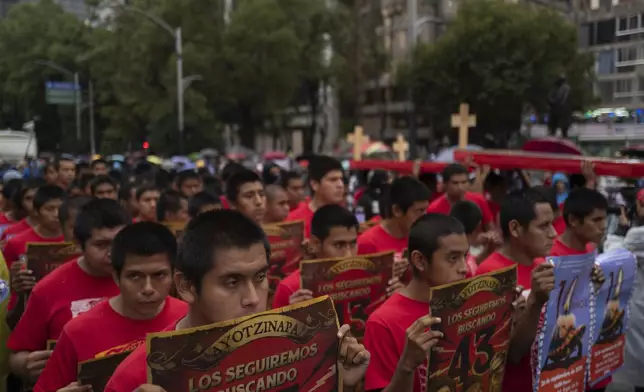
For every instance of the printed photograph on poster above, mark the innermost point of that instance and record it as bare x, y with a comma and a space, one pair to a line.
357, 285
42, 257
476, 319
564, 339
294, 348
97, 372
611, 315
286, 250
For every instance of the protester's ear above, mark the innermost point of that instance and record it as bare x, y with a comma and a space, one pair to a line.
185, 289
397, 212
418, 261
516, 230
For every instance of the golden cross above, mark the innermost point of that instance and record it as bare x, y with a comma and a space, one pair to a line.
401, 147
463, 121
358, 139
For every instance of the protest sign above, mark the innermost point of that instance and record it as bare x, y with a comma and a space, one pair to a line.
97, 372
476, 318
44, 257
286, 250
563, 341
177, 228
611, 313
357, 285
294, 348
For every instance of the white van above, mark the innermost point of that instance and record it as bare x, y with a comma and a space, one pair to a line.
15, 145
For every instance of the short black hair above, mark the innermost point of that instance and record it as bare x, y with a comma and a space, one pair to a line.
212, 232
427, 231
26, 186
169, 201
97, 162
61, 159
330, 216
100, 180
213, 184
520, 206
404, 192
74, 203
468, 213
581, 202
143, 239
321, 165
238, 179
287, 176
184, 176
550, 194
453, 169
99, 214
12, 187
230, 169
125, 191
145, 188
47, 193
200, 200
85, 180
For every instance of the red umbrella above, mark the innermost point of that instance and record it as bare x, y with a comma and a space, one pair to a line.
552, 145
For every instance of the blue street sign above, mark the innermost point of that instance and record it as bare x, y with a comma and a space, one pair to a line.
62, 86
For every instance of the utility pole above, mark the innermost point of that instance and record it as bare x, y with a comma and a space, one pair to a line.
79, 97
180, 90
92, 130
412, 16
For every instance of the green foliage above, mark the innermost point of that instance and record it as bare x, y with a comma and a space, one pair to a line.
501, 58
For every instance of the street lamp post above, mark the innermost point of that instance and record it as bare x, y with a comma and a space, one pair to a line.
176, 33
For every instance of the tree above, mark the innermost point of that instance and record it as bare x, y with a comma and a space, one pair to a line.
35, 32
500, 58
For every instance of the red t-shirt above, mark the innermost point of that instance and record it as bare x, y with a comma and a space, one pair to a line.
385, 336
15, 229
559, 224
64, 294
132, 372
86, 338
443, 206
4, 220
297, 206
286, 288
495, 210
17, 246
303, 212
376, 240
518, 377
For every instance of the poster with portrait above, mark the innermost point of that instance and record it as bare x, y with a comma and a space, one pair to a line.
286, 250
294, 348
44, 257
476, 318
357, 285
563, 341
97, 371
611, 313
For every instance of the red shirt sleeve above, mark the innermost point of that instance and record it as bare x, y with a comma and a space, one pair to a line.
384, 358
31, 332
282, 295
61, 367
11, 252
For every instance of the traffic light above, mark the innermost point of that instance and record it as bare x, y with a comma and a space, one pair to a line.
146, 145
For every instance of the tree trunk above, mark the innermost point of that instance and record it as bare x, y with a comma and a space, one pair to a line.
313, 92
247, 131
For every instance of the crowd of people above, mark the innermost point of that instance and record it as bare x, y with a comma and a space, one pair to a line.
133, 277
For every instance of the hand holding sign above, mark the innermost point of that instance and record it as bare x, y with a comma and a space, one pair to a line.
353, 357
22, 279
421, 338
35, 363
300, 295
543, 281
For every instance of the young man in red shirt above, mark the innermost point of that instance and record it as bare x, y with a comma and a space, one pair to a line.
407, 200
326, 179
147, 198
104, 187
277, 208
172, 207
221, 273
68, 212
334, 231
245, 193
66, 169
456, 183
188, 183
143, 258
70, 290
23, 201
526, 224
292, 182
399, 333
99, 167
203, 201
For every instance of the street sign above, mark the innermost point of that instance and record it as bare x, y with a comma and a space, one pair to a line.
61, 93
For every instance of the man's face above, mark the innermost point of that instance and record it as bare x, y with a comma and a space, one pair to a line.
331, 188
106, 191
295, 191
28, 201
235, 287
251, 201
68, 226
48, 215
456, 186
97, 250
448, 262
51, 175
538, 237
148, 205
145, 283
181, 215
191, 187
592, 228
341, 242
100, 169
277, 207
414, 212
66, 172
